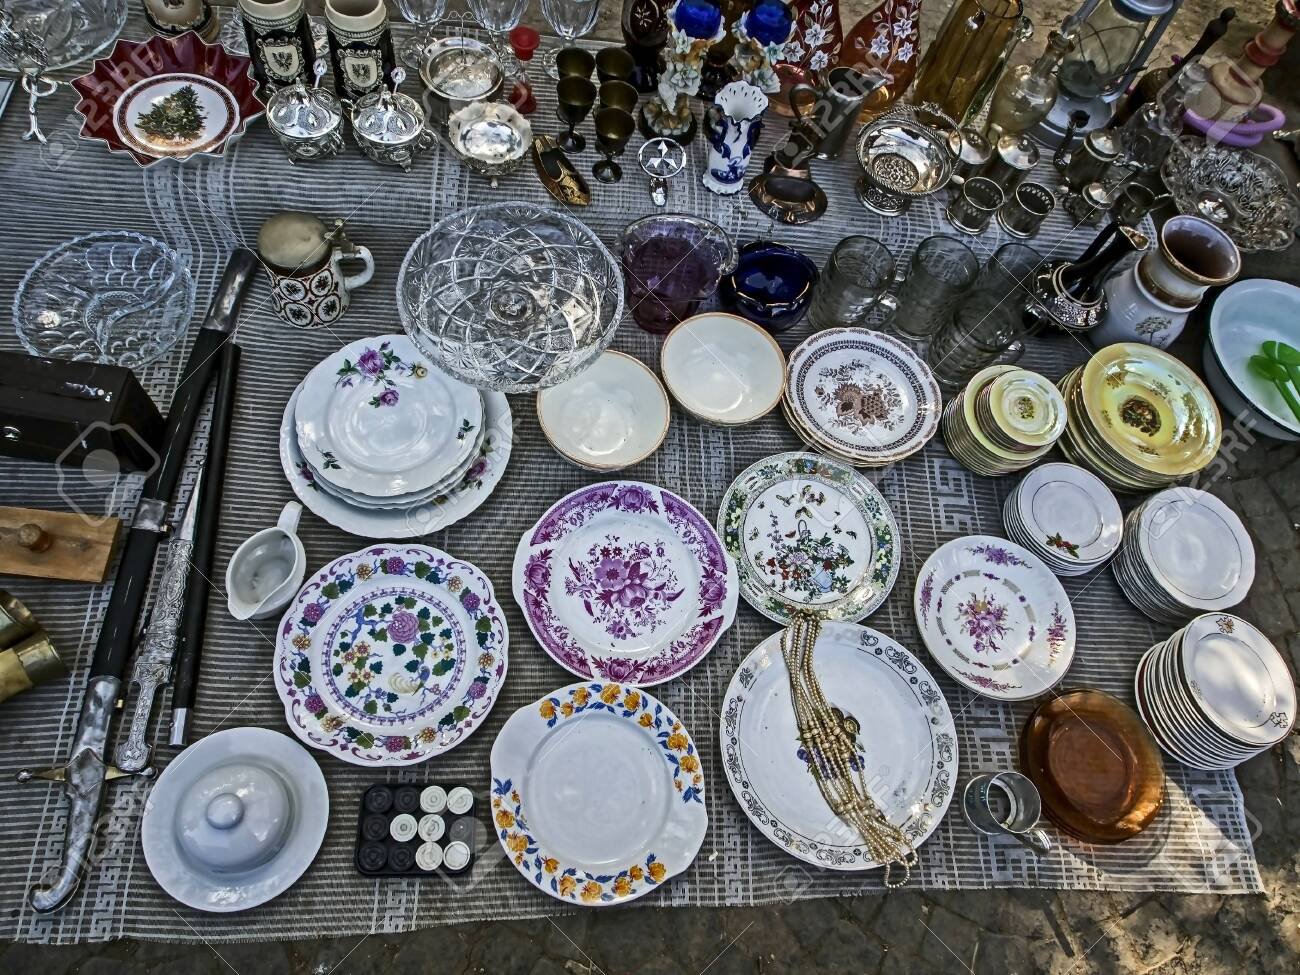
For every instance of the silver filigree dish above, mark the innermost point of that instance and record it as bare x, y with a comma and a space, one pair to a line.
490, 138
902, 158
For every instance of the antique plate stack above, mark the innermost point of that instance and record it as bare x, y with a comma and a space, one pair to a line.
1003, 421
1216, 693
597, 794
1139, 418
391, 655
810, 535
627, 582
1066, 516
861, 396
995, 618
1185, 552
907, 746
380, 443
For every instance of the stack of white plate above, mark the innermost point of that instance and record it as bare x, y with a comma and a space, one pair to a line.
1066, 516
1216, 693
375, 432
1004, 420
1184, 552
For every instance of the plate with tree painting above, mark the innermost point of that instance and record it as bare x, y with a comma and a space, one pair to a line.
625, 581
864, 395
903, 729
810, 535
391, 655
995, 617
597, 793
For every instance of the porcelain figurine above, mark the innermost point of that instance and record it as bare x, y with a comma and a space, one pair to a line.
761, 37
694, 27
732, 124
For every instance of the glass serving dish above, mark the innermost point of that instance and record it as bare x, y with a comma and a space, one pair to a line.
510, 296
70, 31
114, 297
1244, 193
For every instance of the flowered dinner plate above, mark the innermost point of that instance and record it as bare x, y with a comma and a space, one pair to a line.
597, 793
994, 617
625, 581
907, 744
391, 655
865, 395
376, 418
810, 535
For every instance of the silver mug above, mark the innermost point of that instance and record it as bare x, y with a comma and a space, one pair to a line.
1016, 814
834, 113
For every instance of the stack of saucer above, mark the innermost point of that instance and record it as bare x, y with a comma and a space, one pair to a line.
1184, 552
1139, 418
1066, 516
1216, 693
1004, 420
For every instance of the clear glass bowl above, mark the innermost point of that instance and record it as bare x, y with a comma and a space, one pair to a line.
71, 31
510, 296
114, 297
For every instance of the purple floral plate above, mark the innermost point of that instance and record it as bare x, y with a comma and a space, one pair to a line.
995, 617
391, 655
626, 582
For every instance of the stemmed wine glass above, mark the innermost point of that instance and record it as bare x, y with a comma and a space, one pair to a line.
424, 14
614, 127
498, 18
575, 96
570, 19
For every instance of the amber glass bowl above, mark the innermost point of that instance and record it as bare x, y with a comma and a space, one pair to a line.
1094, 762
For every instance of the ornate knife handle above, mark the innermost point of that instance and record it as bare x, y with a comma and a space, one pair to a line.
153, 665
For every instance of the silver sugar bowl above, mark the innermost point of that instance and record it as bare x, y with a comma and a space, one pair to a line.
490, 138
389, 126
457, 72
307, 121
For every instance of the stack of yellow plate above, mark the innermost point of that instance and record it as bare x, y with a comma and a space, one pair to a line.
1139, 418
1004, 420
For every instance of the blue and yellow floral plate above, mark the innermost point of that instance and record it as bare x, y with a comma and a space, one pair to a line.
810, 535
597, 793
391, 655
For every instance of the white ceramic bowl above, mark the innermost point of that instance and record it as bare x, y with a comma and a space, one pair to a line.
723, 369
610, 416
1244, 316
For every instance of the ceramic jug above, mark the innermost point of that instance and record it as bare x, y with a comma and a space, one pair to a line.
732, 123
1150, 301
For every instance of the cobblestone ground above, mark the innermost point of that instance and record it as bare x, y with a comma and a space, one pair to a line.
1009, 932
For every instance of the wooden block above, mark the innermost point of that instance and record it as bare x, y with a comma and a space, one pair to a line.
55, 545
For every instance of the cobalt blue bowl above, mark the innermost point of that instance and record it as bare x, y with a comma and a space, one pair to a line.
771, 285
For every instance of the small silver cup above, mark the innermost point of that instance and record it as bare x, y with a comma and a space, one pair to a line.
1006, 804
1026, 209
971, 209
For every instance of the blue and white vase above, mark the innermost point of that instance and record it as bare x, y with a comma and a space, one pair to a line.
732, 123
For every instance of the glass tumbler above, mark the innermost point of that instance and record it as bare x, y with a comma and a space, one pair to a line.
985, 330
942, 270
856, 279
1026, 209
974, 204
1009, 274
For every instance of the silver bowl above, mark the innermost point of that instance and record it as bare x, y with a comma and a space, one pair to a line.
490, 138
902, 159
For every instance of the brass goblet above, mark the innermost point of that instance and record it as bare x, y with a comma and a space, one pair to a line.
619, 94
576, 97
574, 62
614, 64
613, 128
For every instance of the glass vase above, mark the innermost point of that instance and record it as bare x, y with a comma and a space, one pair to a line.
968, 55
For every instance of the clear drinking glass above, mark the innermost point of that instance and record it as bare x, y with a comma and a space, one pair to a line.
1009, 275
942, 270
973, 206
856, 279
984, 330
424, 14
570, 19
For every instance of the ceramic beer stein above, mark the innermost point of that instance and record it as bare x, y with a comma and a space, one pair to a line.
732, 124
361, 46
279, 41
303, 256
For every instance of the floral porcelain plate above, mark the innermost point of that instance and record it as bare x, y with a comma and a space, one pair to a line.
810, 535
391, 655
907, 748
421, 518
167, 98
375, 418
597, 793
995, 618
625, 581
864, 395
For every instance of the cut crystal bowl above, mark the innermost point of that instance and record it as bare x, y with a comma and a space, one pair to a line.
114, 297
70, 31
510, 296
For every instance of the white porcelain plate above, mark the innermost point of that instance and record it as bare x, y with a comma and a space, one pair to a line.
597, 793
994, 617
1196, 548
907, 744
376, 418
391, 655
625, 581
1071, 512
865, 394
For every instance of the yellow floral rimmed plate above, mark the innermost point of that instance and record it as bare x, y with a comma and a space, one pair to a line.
1151, 409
